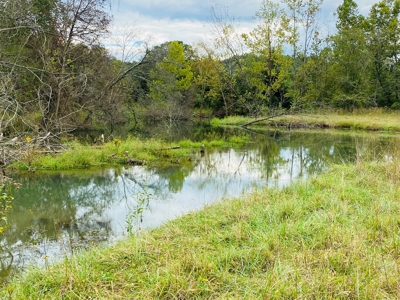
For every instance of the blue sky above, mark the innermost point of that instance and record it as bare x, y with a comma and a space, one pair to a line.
166, 20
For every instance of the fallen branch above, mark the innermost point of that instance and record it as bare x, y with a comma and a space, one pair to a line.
263, 119
50, 151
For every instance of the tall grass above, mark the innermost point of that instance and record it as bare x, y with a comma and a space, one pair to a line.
334, 237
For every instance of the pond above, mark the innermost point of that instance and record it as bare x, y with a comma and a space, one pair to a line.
56, 214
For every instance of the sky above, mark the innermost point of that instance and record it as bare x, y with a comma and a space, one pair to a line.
158, 21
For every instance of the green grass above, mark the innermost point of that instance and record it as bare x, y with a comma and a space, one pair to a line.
333, 237
372, 119
232, 121
82, 156
119, 151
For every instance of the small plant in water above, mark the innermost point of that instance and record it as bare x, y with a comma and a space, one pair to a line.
6, 199
135, 216
5, 205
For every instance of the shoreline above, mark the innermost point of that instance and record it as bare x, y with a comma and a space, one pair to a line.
332, 234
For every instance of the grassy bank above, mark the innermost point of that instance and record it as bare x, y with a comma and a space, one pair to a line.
372, 119
333, 237
136, 150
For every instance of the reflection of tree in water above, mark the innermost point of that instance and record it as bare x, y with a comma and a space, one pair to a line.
57, 213
175, 175
57, 199
62, 212
176, 131
169, 131
301, 154
272, 154
142, 189
138, 179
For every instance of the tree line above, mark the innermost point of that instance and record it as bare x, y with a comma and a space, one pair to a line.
55, 74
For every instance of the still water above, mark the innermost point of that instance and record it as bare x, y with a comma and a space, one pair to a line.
56, 214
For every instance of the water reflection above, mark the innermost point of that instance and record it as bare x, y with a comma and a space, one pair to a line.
57, 214
170, 131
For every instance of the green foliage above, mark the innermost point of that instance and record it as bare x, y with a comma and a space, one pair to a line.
267, 65
5, 205
81, 156
211, 142
348, 16
170, 81
172, 74
209, 82
232, 120
382, 28
52, 82
177, 65
53, 65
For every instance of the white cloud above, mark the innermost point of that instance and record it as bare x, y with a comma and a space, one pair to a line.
159, 28
168, 20
189, 9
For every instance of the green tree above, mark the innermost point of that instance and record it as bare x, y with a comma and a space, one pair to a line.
351, 62
171, 81
383, 29
302, 14
211, 82
230, 46
267, 64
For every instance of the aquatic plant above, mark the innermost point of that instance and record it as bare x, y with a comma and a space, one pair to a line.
134, 216
6, 199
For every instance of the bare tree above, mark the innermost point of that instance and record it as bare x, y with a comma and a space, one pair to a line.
232, 49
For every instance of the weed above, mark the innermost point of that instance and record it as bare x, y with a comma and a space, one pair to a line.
5, 205
134, 216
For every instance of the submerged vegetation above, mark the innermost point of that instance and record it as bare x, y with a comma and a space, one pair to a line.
333, 237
